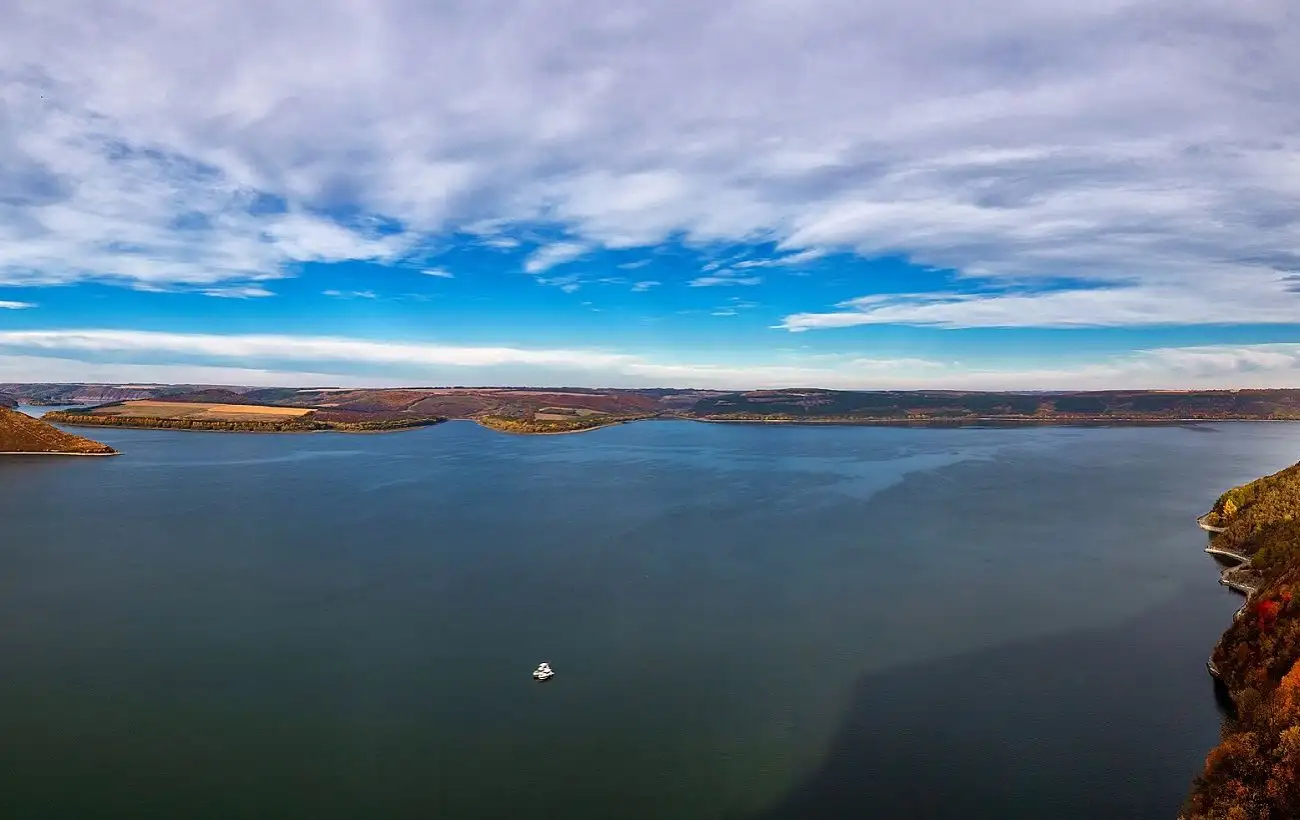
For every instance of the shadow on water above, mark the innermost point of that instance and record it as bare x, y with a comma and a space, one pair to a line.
1085, 725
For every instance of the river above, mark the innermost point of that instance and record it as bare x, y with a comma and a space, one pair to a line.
746, 622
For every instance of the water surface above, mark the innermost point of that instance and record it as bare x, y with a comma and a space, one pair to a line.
745, 621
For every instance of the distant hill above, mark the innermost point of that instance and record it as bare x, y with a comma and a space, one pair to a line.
216, 395
784, 405
47, 394
20, 433
902, 405
7, 400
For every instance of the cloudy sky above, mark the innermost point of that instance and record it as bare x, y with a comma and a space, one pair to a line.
842, 193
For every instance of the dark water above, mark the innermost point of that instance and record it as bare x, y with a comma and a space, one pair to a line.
746, 622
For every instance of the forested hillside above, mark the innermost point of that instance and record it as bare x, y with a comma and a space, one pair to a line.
1254, 774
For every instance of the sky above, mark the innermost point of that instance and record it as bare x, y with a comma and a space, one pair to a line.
972, 194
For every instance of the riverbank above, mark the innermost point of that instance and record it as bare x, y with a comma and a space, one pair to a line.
1201, 522
1255, 769
54, 453
305, 425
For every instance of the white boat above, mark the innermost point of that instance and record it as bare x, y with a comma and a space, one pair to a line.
544, 672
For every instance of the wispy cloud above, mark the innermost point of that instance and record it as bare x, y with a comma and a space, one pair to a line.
640, 263
1114, 142
244, 348
781, 261
6, 304
733, 307
238, 292
724, 278
350, 294
440, 273
1219, 303
100, 355
568, 282
548, 256
644, 285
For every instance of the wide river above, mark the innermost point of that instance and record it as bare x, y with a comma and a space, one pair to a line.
746, 622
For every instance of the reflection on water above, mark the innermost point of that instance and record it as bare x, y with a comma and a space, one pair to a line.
744, 621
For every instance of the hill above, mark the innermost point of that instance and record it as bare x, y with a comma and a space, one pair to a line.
533, 409
48, 394
944, 405
20, 433
1255, 770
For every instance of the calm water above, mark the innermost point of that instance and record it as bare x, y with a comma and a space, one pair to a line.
746, 622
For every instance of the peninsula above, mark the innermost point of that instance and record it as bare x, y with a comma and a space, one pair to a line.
21, 434
1255, 770
232, 411
574, 409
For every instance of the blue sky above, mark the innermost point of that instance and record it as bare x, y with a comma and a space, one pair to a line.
987, 195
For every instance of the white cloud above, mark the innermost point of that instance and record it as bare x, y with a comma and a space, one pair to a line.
244, 348
569, 282
1149, 144
781, 261
640, 263
1103, 307
51, 369
644, 285
115, 355
441, 273
238, 292
724, 278
11, 305
548, 256
350, 294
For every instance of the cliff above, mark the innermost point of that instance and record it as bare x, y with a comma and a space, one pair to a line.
1254, 773
20, 433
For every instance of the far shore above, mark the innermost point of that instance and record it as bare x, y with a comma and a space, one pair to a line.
1008, 421
85, 425
969, 420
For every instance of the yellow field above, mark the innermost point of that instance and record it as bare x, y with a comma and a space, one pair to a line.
200, 410
577, 411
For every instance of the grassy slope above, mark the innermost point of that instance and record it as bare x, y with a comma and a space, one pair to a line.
20, 433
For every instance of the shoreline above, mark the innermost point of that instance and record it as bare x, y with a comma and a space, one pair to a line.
55, 453
986, 420
981, 421
1226, 579
84, 425
1200, 522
